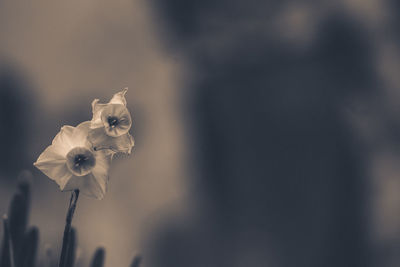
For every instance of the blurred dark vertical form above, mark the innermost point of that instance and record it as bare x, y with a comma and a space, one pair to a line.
281, 173
15, 120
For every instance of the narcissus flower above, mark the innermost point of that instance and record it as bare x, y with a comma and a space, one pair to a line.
72, 163
110, 125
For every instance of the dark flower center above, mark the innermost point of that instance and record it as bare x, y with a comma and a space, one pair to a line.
116, 120
112, 121
80, 161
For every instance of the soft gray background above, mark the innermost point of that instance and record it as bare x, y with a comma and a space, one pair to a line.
266, 131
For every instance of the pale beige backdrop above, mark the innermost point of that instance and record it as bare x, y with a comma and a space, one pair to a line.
72, 52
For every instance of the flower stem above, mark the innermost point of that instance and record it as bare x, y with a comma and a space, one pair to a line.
67, 229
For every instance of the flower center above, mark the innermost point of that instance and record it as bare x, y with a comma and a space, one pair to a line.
80, 161
116, 120
112, 121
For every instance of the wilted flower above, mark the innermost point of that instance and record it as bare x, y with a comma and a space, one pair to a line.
110, 125
72, 163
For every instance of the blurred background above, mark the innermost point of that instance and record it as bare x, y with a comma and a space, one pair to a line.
267, 132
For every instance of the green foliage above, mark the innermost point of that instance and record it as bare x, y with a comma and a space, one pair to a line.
20, 244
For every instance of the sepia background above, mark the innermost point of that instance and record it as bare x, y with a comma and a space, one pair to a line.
267, 132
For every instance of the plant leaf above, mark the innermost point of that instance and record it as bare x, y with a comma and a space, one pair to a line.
136, 261
18, 212
29, 248
6, 252
98, 258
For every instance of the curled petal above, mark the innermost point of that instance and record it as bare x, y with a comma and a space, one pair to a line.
100, 141
119, 98
114, 111
83, 127
97, 110
51, 163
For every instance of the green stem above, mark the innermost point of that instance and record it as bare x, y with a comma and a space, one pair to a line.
67, 229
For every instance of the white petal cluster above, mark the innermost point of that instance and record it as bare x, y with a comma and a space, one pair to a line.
79, 157
110, 125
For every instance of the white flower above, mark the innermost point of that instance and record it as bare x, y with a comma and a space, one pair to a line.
72, 163
110, 125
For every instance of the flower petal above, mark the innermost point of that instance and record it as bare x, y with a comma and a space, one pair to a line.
84, 126
100, 171
51, 163
95, 183
79, 136
63, 141
87, 184
100, 140
119, 98
96, 110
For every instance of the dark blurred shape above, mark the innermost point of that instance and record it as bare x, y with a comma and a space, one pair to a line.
67, 256
30, 248
98, 258
192, 19
19, 243
15, 112
136, 261
49, 258
281, 174
6, 254
19, 213
71, 252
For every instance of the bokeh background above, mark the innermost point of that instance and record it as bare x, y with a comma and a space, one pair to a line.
267, 132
